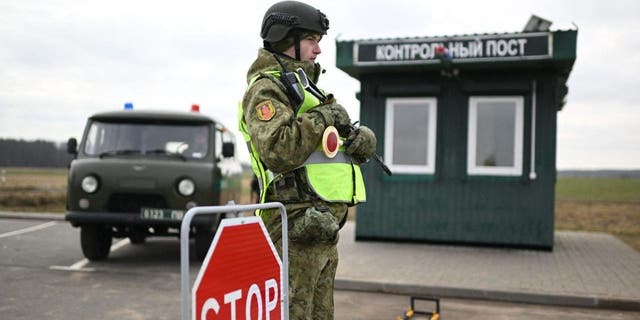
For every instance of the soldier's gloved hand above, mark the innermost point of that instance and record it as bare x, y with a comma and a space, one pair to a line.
361, 144
342, 122
335, 115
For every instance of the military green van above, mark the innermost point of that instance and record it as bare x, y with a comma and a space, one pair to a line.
135, 174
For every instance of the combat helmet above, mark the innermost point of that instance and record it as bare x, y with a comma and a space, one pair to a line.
285, 16
288, 19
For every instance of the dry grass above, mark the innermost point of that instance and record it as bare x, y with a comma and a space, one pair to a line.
609, 205
29, 189
621, 219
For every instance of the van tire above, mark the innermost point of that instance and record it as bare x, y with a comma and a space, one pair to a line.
95, 241
137, 236
203, 238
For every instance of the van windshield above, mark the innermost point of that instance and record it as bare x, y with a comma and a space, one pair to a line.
106, 139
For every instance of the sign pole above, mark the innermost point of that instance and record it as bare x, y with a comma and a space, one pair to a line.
184, 248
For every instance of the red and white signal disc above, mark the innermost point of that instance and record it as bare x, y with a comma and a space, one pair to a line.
330, 141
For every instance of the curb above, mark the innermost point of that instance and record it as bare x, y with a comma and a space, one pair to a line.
31, 216
494, 295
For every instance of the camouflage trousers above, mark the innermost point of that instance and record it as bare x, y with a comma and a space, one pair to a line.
312, 266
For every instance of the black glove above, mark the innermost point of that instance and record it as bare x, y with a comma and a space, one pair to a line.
342, 122
361, 144
335, 115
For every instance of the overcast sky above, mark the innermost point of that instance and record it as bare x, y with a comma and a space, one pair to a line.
63, 60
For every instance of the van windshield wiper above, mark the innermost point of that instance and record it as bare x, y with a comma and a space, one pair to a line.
166, 153
112, 153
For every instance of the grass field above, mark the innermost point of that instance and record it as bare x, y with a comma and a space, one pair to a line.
600, 204
31, 189
598, 189
609, 205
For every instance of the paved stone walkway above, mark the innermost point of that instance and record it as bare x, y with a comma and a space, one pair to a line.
585, 269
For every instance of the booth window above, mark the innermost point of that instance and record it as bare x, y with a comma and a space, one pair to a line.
410, 135
495, 135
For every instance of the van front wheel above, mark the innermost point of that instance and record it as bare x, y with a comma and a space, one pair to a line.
95, 241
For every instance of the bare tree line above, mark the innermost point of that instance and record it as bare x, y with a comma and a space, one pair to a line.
38, 153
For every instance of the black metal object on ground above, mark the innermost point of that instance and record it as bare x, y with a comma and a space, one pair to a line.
433, 315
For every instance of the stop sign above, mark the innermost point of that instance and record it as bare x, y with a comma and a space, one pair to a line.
241, 276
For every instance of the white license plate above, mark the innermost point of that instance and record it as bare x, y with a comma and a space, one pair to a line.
161, 214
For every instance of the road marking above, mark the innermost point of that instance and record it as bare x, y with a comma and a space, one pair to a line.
120, 244
80, 265
27, 230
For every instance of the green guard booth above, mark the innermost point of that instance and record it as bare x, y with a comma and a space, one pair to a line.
468, 126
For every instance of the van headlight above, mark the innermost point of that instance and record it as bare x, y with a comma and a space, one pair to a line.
186, 187
89, 184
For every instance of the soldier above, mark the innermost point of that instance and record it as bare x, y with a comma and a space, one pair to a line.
283, 125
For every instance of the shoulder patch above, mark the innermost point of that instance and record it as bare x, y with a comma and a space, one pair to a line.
265, 110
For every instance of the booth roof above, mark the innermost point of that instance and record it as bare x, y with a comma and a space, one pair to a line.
357, 57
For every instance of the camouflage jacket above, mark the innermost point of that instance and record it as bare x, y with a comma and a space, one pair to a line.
283, 139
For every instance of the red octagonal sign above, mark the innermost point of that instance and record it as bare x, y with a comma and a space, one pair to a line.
241, 276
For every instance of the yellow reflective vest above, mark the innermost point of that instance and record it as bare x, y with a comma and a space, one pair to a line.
335, 179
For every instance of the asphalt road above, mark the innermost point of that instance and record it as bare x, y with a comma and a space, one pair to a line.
44, 276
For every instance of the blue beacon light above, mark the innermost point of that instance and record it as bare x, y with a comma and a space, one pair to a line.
128, 106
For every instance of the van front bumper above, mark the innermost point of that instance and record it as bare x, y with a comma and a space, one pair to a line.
78, 218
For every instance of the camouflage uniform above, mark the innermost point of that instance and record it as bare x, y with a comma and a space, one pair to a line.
284, 141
